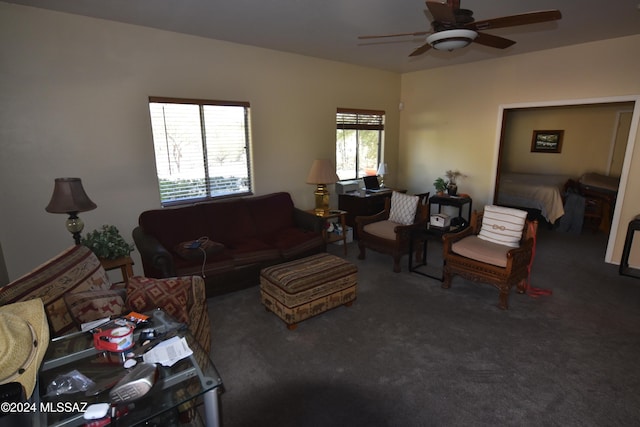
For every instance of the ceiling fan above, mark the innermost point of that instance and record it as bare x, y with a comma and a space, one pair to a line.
455, 28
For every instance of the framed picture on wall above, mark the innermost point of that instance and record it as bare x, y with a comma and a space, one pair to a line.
547, 141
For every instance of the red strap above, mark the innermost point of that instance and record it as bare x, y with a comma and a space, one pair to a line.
530, 290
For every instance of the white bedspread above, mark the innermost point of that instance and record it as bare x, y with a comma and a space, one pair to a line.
534, 191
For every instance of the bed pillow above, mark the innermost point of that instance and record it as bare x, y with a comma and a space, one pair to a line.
403, 208
502, 225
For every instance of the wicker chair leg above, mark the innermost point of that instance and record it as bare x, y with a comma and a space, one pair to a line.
396, 264
503, 301
363, 251
446, 279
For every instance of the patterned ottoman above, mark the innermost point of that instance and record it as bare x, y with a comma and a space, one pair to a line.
303, 288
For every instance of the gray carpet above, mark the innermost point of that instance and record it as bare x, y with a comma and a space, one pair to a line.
408, 353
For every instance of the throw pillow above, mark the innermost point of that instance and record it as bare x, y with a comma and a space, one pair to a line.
502, 225
206, 247
403, 208
92, 305
74, 270
173, 295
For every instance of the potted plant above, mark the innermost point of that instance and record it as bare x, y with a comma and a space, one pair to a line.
441, 185
452, 185
107, 243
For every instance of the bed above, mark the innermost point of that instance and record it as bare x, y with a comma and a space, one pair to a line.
533, 191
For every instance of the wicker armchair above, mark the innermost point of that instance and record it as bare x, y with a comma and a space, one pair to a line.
487, 262
377, 233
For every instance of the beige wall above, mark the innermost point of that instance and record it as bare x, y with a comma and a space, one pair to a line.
452, 114
75, 103
586, 146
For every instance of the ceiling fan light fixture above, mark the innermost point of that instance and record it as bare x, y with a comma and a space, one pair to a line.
451, 39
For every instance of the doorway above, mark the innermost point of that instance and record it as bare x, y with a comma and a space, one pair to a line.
617, 145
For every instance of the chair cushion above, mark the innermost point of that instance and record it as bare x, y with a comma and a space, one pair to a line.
74, 270
502, 225
403, 208
482, 250
382, 229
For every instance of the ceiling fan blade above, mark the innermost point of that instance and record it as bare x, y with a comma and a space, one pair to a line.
514, 20
422, 49
493, 41
417, 33
441, 12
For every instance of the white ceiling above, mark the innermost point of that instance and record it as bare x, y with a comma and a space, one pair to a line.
329, 28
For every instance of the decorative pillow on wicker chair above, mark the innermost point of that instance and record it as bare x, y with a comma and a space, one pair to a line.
403, 208
92, 305
171, 295
203, 245
502, 225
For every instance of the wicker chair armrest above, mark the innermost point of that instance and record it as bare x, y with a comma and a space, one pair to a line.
404, 231
361, 221
449, 239
525, 248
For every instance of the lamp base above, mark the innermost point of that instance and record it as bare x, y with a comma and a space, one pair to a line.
75, 225
322, 200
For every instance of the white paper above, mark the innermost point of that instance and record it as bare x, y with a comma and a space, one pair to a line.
168, 352
90, 325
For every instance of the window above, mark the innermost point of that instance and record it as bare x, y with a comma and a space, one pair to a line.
359, 136
201, 149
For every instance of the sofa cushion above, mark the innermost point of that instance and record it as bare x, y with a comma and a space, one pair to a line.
482, 250
228, 221
173, 295
92, 305
174, 225
271, 213
251, 251
206, 248
502, 225
74, 270
292, 242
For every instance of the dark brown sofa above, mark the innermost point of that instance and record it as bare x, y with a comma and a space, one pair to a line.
249, 233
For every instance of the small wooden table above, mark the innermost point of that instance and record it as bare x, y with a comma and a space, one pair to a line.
125, 264
331, 237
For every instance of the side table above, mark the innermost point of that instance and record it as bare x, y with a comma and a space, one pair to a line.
423, 236
342, 217
455, 201
125, 264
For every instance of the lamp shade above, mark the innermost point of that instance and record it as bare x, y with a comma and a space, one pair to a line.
69, 196
382, 169
322, 172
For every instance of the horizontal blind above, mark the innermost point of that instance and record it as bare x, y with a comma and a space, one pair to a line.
359, 119
201, 150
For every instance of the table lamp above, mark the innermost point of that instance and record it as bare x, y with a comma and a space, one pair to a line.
322, 173
382, 169
69, 197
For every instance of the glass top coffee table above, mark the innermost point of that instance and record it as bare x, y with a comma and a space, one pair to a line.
187, 380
